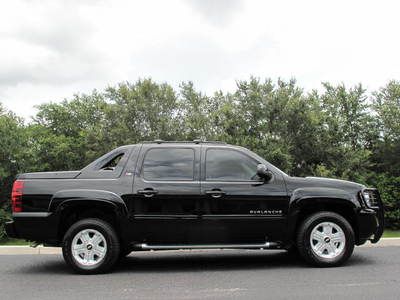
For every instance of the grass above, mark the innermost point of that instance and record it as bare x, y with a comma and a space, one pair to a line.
14, 242
391, 233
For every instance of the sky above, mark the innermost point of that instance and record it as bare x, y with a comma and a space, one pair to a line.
51, 50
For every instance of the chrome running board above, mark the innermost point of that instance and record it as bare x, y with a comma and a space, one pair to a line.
266, 245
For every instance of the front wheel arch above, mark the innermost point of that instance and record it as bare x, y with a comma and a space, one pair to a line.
341, 207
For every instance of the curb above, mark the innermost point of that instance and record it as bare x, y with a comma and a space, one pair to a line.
27, 250
16, 250
384, 242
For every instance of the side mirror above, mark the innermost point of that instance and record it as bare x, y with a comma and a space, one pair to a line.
263, 172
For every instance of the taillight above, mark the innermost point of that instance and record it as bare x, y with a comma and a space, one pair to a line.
16, 196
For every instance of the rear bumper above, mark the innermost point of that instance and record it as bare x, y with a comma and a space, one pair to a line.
34, 226
10, 230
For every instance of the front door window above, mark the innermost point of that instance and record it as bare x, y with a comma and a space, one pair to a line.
229, 165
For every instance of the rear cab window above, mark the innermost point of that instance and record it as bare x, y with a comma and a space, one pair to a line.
111, 165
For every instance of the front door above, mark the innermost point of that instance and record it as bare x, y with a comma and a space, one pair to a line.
166, 193
238, 206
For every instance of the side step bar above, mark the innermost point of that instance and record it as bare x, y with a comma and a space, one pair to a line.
266, 245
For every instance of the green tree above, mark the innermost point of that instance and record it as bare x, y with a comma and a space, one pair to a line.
386, 150
12, 141
143, 110
336, 132
346, 128
386, 103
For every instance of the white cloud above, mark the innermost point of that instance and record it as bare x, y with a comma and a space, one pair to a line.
218, 12
50, 50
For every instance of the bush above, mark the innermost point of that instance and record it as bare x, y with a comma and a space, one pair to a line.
4, 217
389, 188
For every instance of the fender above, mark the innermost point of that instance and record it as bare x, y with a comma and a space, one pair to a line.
313, 196
64, 198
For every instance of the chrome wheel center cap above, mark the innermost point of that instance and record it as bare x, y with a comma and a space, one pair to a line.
327, 240
89, 247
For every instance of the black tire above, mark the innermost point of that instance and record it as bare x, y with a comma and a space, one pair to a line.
304, 244
124, 252
293, 251
111, 255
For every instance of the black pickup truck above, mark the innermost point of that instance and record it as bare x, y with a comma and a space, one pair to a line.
190, 195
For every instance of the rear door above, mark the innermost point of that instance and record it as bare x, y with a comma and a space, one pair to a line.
238, 206
166, 193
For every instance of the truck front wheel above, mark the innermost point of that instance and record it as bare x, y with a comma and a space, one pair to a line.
91, 246
325, 239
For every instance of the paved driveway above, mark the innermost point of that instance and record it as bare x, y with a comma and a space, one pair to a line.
371, 273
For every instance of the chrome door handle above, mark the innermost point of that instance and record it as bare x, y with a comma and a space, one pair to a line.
215, 193
147, 192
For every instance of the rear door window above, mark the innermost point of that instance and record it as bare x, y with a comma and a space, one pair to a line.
169, 164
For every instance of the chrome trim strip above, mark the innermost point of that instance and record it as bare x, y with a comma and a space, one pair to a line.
227, 216
165, 216
31, 214
145, 246
241, 216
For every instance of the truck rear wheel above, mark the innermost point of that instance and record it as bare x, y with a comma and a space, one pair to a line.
325, 239
91, 246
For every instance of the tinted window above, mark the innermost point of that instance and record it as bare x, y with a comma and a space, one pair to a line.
113, 163
229, 165
168, 164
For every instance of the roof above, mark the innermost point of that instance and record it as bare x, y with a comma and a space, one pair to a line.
184, 142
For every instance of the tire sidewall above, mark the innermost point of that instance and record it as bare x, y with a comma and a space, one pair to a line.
110, 236
304, 244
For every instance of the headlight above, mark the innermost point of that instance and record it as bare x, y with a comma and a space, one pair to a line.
367, 198
370, 197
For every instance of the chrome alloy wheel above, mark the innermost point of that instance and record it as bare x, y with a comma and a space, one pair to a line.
89, 247
327, 240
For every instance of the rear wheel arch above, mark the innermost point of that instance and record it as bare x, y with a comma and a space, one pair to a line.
69, 212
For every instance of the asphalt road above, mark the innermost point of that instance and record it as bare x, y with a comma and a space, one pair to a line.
371, 273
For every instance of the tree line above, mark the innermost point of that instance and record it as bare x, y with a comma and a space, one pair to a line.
338, 131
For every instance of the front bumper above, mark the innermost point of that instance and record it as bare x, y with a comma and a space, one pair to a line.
33, 226
371, 221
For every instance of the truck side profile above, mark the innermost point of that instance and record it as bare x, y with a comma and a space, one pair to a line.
188, 195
